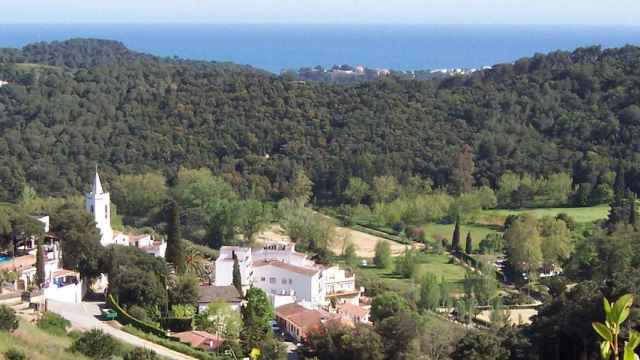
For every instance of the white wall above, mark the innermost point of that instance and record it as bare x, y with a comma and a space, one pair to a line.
305, 287
69, 294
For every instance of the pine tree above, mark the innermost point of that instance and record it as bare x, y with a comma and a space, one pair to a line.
175, 248
40, 275
469, 244
237, 277
455, 240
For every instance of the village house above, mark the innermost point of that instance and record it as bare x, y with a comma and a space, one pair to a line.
299, 321
286, 276
210, 293
200, 339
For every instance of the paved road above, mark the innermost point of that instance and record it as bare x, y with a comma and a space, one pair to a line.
83, 316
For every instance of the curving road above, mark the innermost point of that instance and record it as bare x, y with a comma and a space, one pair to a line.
85, 316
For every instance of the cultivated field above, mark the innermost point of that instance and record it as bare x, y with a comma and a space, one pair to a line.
365, 243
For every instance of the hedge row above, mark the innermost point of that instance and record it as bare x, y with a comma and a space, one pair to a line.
382, 234
126, 319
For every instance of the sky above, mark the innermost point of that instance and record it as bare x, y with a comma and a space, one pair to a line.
489, 12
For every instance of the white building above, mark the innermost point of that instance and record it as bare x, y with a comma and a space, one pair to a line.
98, 204
286, 275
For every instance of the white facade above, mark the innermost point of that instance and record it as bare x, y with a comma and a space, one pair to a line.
286, 275
98, 204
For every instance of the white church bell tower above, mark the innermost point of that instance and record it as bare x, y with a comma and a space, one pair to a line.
98, 204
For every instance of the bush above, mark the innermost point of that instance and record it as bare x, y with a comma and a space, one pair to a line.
140, 354
8, 319
54, 324
171, 343
97, 345
137, 312
14, 354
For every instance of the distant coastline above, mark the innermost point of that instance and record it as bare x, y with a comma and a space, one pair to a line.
279, 47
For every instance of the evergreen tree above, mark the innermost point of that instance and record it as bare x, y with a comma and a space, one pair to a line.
237, 277
175, 248
256, 315
455, 240
469, 244
40, 274
463, 169
633, 213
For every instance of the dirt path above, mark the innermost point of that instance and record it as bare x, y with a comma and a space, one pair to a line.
365, 243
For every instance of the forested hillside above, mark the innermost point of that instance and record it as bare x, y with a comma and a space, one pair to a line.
97, 102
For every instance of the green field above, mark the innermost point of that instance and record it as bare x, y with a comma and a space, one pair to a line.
37, 344
581, 214
436, 264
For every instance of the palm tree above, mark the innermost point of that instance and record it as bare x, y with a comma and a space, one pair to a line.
194, 262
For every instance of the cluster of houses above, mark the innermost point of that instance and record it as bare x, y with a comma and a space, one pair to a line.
305, 294
61, 284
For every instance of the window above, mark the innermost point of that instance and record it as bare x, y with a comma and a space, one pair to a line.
284, 281
272, 280
262, 279
290, 281
92, 209
106, 211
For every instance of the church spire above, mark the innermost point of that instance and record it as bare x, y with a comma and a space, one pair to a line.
97, 186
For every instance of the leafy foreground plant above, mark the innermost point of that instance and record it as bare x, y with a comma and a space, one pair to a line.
615, 315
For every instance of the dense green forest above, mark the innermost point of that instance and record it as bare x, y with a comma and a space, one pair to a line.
70, 105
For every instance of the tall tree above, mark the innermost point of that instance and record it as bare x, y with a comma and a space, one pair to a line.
455, 238
301, 188
175, 248
463, 169
468, 248
382, 255
523, 244
80, 244
429, 293
237, 276
40, 274
256, 315
356, 190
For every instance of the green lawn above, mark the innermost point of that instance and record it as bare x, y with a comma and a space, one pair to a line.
581, 214
436, 264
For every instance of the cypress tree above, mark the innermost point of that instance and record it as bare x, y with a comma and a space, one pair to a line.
633, 214
469, 244
40, 275
175, 249
237, 277
619, 185
455, 240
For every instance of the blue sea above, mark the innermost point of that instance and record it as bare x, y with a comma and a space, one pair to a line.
278, 47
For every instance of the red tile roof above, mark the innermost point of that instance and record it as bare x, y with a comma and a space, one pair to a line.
354, 310
304, 318
200, 339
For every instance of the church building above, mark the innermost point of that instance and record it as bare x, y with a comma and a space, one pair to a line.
98, 204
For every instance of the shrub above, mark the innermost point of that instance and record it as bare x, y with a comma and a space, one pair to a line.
97, 345
140, 354
8, 319
137, 312
54, 324
14, 354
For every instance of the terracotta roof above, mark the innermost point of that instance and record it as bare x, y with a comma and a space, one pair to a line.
302, 317
207, 294
350, 309
200, 339
286, 266
21, 262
